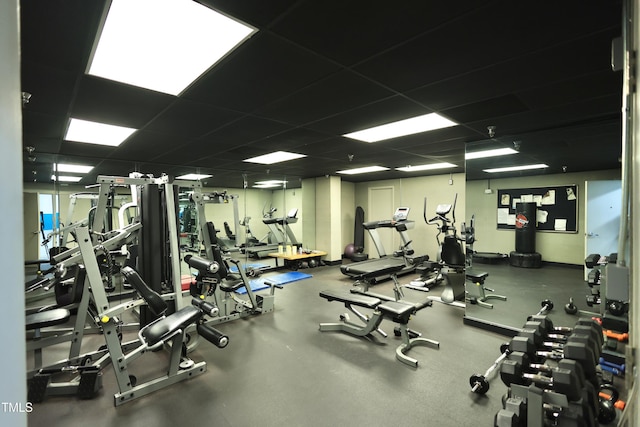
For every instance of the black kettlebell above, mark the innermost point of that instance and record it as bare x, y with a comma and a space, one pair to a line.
570, 308
606, 406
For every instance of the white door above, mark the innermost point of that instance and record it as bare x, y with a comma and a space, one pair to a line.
603, 201
381, 208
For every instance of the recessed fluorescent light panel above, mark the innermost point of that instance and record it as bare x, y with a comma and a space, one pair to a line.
367, 169
193, 176
275, 157
517, 168
489, 153
97, 133
66, 178
163, 45
61, 167
267, 186
272, 183
418, 168
404, 127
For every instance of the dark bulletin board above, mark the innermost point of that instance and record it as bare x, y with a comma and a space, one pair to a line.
557, 207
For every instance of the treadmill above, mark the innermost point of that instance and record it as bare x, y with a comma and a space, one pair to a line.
281, 232
385, 262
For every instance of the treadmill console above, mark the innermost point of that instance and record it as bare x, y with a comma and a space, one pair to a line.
401, 214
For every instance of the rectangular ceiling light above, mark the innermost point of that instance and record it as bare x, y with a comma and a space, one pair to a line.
404, 127
271, 182
193, 176
61, 167
163, 45
97, 133
516, 168
432, 166
489, 153
275, 157
66, 178
267, 185
366, 169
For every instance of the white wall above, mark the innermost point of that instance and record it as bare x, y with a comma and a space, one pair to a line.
554, 247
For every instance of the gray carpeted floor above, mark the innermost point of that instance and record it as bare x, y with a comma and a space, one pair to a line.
278, 369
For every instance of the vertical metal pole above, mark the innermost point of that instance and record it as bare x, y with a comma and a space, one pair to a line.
174, 247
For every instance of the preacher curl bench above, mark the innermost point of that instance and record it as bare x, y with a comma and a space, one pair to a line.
396, 311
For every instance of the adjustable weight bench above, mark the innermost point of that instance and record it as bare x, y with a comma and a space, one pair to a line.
396, 311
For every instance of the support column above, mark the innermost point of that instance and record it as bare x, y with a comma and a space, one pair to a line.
13, 388
328, 217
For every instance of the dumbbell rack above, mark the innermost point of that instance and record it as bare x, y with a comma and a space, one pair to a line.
534, 403
569, 396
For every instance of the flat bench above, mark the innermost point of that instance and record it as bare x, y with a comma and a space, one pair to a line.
396, 311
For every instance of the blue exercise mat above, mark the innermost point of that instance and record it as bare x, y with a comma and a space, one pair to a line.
255, 266
278, 279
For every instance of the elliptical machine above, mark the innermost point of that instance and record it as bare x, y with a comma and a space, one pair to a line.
451, 258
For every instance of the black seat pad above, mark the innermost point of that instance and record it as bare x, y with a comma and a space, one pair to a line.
227, 285
476, 277
178, 320
399, 312
47, 318
348, 298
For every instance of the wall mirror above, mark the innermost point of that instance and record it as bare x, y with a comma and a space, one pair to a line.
561, 238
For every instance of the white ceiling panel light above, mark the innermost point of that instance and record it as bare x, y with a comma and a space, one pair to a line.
193, 176
163, 45
275, 157
367, 169
97, 133
66, 178
62, 167
418, 168
516, 168
272, 183
419, 124
489, 153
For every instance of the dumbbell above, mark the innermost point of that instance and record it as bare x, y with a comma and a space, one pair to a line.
573, 349
589, 391
566, 381
611, 367
562, 380
580, 333
548, 326
479, 383
623, 337
546, 306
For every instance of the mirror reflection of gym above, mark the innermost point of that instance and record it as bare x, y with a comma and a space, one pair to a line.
560, 277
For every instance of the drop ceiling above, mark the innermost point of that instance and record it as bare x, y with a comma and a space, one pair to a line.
539, 72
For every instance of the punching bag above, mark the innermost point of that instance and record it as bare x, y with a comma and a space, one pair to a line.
526, 227
525, 254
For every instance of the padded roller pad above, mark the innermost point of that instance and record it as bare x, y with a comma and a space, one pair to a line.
47, 318
353, 299
165, 327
